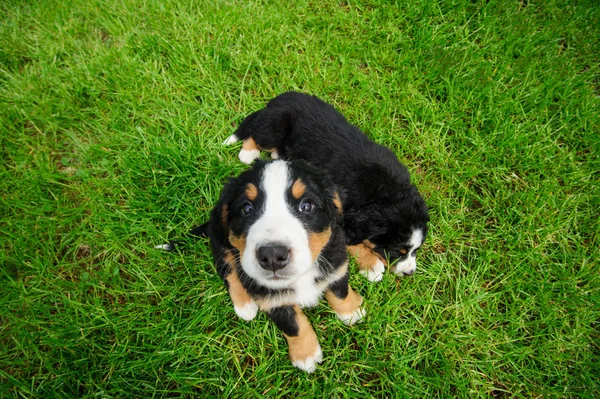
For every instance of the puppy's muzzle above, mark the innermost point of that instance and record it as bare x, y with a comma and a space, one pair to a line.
273, 256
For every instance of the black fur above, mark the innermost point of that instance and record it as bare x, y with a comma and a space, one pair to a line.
380, 204
284, 318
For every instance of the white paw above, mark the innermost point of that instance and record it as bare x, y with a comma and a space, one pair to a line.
247, 312
166, 247
310, 363
274, 155
231, 139
376, 273
406, 268
350, 319
247, 156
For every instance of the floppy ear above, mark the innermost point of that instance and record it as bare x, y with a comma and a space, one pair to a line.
220, 216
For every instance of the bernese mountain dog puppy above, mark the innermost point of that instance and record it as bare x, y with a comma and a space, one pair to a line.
278, 245
384, 216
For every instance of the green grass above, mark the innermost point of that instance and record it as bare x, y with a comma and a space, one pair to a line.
111, 117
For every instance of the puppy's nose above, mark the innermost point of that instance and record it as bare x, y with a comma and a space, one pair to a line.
273, 257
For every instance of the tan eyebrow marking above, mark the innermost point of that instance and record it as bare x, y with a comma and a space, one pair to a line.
298, 189
337, 202
251, 191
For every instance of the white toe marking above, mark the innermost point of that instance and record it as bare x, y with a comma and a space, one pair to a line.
166, 247
350, 319
310, 363
376, 273
247, 312
274, 155
247, 156
231, 139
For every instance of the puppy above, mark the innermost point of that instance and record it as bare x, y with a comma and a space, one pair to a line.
278, 245
384, 216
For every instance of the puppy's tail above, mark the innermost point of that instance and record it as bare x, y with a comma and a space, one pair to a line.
195, 233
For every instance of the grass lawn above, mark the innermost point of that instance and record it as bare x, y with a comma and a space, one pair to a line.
111, 119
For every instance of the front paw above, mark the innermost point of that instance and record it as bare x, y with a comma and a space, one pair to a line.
309, 363
375, 273
352, 318
246, 312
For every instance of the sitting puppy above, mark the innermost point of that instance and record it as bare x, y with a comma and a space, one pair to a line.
385, 217
278, 245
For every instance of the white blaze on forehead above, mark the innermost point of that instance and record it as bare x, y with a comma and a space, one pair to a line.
416, 239
278, 225
275, 182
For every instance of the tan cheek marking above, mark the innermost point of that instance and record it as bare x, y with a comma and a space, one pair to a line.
229, 258
337, 202
239, 242
251, 191
347, 305
305, 344
224, 215
298, 189
316, 242
237, 292
249, 144
365, 257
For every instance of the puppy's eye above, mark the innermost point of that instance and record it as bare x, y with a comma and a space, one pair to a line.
306, 206
247, 209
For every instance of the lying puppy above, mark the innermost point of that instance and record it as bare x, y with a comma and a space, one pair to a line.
385, 217
278, 246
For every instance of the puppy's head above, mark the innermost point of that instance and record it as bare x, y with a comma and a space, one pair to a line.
395, 222
279, 216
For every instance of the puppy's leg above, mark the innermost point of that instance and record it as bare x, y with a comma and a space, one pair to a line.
245, 129
369, 264
345, 302
243, 304
249, 152
304, 349
261, 130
